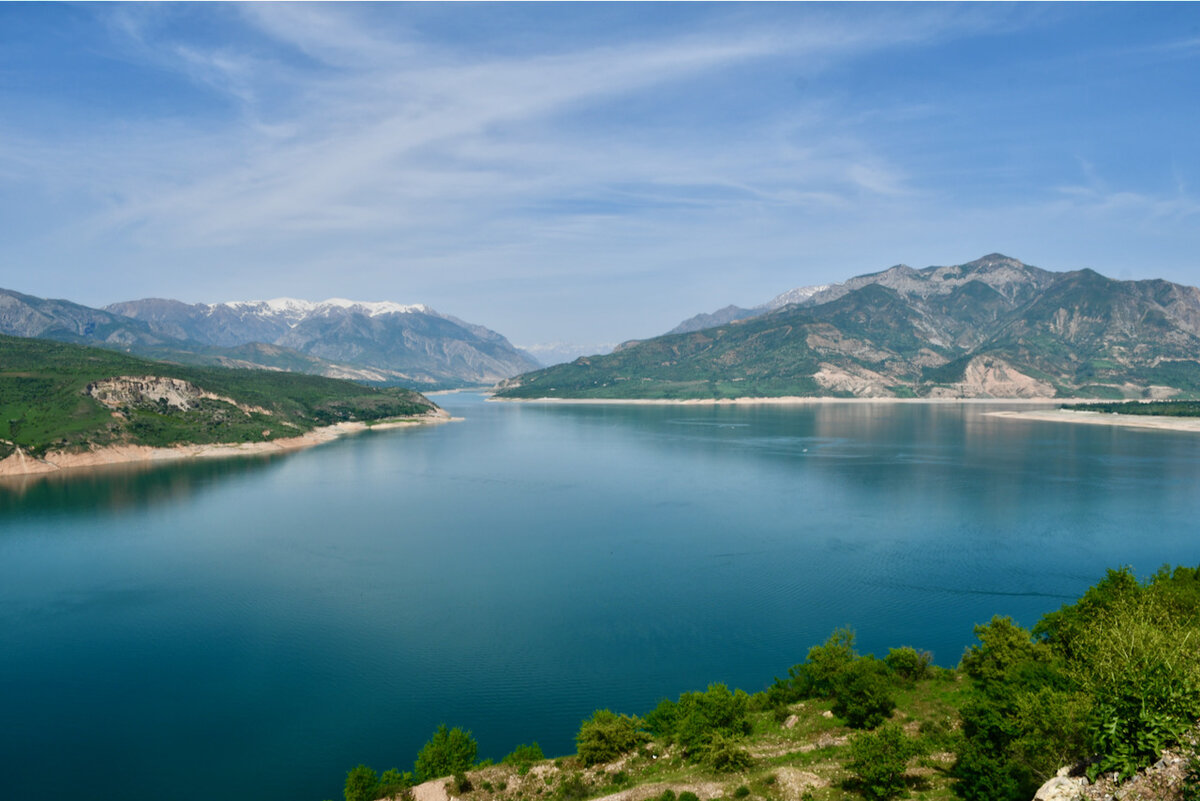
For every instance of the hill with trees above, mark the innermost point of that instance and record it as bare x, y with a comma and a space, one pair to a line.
992, 328
70, 398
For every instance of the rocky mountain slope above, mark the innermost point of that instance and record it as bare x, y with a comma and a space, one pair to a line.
413, 343
384, 343
733, 313
993, 327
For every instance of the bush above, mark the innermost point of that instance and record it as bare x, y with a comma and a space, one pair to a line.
361, 784
460, 784
908, 663
1003, 644
572, 788
741, 792
818, 675
1143, 674
716, 712
879, 760
724, 756
606, 735
688, 795
524, 755
394, 784
661, 720
862, 693
449, 751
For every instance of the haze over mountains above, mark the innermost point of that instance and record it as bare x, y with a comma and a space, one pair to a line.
379, 342
993, 327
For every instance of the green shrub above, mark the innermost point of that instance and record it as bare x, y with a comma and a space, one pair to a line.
661, 720
862, 693
449, 751
572, 788
716, 712
1143, 673
879, 760
393, 784
688, 795
741, 792
1003, 644
362, 784
460, 784
818, 675
724, 756
524, 755
909, 663
606, 735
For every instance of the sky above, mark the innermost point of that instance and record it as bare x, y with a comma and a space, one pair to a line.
586, 173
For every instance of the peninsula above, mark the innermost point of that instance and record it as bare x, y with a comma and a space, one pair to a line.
64, 406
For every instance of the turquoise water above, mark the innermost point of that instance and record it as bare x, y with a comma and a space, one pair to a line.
253, 628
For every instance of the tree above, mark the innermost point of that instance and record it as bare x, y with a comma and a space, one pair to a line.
606, 735
862, 693
448, 751
879, 760
361, 784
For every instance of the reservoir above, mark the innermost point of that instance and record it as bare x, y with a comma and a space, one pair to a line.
253, 628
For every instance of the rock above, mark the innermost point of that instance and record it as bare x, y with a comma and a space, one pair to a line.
791, 722
1060, 788
826, 714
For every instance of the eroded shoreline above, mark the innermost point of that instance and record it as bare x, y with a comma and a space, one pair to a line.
22, 464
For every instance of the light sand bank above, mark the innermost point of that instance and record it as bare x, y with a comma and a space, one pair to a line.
22, 464
786, 401
1103, 419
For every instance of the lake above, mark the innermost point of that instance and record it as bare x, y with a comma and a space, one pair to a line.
253, 628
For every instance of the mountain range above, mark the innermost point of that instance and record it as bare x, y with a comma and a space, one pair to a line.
993, 327
375, 342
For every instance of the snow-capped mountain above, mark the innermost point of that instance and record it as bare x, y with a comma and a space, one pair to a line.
412, 342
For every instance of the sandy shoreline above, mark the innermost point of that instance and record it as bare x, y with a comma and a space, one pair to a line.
22, 464
1044, 415
791, 400
1103, 419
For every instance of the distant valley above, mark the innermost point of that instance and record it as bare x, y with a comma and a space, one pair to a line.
373, 342
990, 328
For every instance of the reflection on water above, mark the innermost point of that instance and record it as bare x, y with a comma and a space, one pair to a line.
278, 620
112, 489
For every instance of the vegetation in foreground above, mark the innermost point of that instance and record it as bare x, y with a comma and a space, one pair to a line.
1104, 685
1155, 408
45, 405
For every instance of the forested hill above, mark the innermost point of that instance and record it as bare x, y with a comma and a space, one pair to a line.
63, 397
992, 328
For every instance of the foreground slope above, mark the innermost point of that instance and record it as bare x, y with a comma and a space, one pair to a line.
70, 398
992, 328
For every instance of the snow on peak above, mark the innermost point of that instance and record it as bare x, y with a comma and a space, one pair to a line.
295, 309
796, 295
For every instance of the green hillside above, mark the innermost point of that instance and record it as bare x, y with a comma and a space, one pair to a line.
45, 402
991, 328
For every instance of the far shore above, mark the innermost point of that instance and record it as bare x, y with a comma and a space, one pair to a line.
790, 400
23, 464
1102, 419
1044, 415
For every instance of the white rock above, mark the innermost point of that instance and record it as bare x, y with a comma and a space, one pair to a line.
1060, 788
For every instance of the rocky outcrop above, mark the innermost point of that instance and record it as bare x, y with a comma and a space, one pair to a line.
152, 390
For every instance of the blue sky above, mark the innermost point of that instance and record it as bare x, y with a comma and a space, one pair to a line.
586, 173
